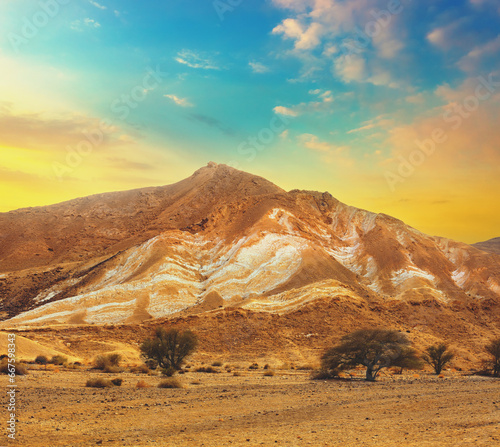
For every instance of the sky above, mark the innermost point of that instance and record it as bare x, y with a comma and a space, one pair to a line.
389, 105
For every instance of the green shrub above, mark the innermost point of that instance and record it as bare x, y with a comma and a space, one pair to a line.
169, 348
170, 383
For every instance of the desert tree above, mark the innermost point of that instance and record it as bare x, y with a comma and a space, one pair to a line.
373, 348
409, 359
169, 348
438, 356
493, 349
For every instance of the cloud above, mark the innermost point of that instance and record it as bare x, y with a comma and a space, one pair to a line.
415, 99
257, 67
330, 152
91, 23
183, 102
324, 99
353, 35
280, 110
350, 68
195, 60
467, 127
305, 37
97, 5
479, 55
362, 128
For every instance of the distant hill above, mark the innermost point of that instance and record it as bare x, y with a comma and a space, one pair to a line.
490, 246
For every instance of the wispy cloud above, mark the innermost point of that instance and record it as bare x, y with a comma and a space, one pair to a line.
183, 102
97, 5
195, 60
258, 67
78, 24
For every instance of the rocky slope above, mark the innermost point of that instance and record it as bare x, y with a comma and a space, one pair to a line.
223, 238
489, 246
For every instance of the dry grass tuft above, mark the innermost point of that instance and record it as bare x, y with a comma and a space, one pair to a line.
170, 383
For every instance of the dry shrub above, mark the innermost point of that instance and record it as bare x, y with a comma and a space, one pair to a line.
170, 383
20, 368
305, 368
323, 374
254, 366
169, 372
117, 382
108, 363
99, 383
217, 363
142, 384
206, 369
236, 374
41, 360
141, 369
58, 360
441, 376
269, 373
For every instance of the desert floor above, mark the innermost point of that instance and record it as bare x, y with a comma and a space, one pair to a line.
56, 409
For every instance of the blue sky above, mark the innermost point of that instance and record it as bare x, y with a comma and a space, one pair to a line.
315, 94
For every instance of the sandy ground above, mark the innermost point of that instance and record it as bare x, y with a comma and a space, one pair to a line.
288, 409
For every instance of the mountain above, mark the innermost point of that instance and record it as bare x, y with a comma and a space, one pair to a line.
490, 246
223, 238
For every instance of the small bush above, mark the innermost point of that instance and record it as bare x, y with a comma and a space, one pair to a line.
141, 384
8, 368
217, 363
305, 368
108, 363
41, 360
169, 372
323, 374
266, 366
254, 366
269, 373
170, 383
152, 364
141, 369
206, 369
58, 360
99, 383
117, 382
236, 374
